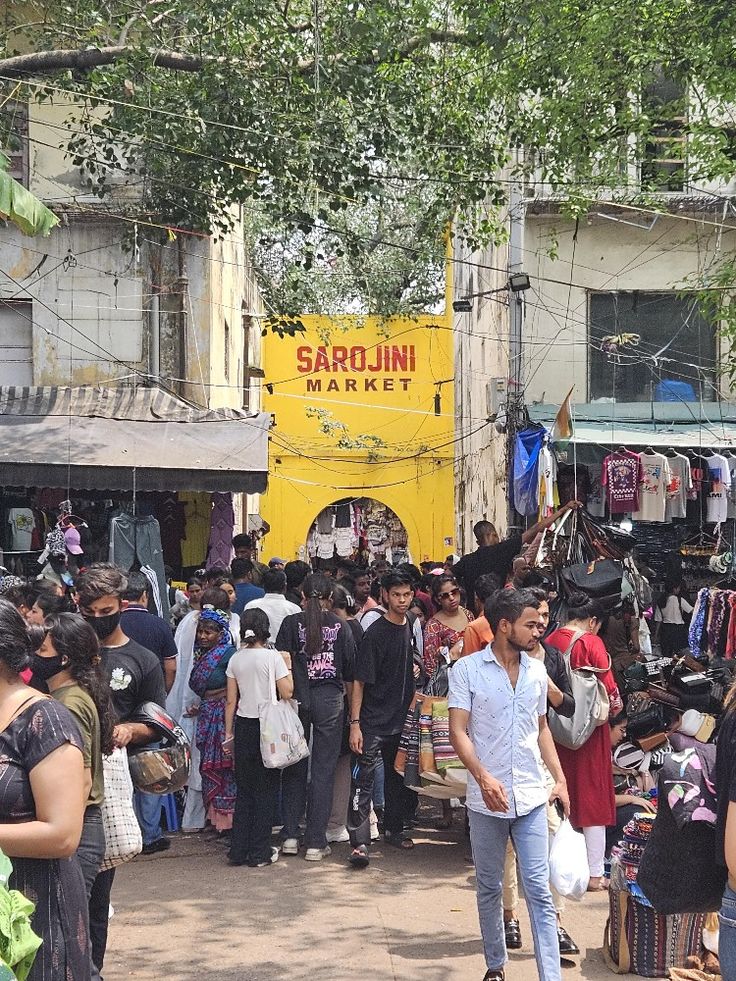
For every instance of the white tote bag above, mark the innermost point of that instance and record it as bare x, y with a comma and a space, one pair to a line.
282, 733
568, 862
123, 839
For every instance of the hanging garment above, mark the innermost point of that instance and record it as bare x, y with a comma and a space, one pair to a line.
138, 540
697, 623
547, 493
622, 475
679, 486
655, 479
197, 513
596, 503
719, 485
152, 578
222, 529
527, 447
21, 523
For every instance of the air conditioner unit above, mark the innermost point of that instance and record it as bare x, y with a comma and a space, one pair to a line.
496, 393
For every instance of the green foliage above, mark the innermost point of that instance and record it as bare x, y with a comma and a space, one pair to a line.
329, 426
337, 127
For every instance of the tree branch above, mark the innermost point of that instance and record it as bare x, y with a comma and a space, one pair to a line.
41, 62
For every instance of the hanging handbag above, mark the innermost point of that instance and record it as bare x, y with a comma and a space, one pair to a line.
123, 839
592, 705
599, 578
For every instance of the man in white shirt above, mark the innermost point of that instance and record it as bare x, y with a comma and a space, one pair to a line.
498, 726
274, 604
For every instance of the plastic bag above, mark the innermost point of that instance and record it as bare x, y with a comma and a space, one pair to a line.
568, 862
282, 735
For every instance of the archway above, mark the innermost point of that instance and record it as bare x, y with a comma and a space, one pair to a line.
359, 528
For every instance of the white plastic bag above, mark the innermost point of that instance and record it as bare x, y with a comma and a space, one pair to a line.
282, 735
568, 862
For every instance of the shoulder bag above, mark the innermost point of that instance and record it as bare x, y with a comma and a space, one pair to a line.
282, 733
592, 705
123, 839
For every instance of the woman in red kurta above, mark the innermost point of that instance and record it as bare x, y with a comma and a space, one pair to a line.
588, 769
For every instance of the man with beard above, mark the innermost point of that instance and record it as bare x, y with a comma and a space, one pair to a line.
498, 726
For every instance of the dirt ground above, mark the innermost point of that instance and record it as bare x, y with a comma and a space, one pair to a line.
185, 915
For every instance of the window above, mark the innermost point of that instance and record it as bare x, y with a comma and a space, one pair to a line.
16, 342
14, 132
669, 326
664, 153
252, 373
227, 351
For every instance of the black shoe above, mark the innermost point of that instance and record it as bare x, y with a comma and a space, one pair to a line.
494, 975
567, 944
159, 845
358, 857
513, 935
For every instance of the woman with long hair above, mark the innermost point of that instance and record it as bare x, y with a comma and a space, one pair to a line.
183, 705
254, 675
447, 627
322, 652
588, 769
213, 649
68, 661
42, 795
47, 604
726, 832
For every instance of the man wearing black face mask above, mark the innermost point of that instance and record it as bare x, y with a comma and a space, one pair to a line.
134, 675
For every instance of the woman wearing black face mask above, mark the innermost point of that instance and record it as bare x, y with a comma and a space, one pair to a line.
68, 661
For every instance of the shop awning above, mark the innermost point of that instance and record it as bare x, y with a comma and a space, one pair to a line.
710, 434
129, 438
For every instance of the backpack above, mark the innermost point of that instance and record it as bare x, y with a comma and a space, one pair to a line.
592, 705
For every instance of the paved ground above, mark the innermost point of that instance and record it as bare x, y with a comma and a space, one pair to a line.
187, 916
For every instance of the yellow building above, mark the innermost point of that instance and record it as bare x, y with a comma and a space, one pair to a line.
364, 413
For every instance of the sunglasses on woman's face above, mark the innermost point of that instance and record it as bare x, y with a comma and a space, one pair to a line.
451, 594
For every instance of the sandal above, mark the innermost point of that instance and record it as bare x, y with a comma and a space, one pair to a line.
358, 857
494, 975
401, 841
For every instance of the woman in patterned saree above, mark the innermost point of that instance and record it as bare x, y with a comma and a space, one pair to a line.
212, 652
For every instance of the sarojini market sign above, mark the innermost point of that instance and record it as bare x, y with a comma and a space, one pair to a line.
357, 368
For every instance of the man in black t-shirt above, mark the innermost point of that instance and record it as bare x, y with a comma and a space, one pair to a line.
134, 675
493, 555
385, 672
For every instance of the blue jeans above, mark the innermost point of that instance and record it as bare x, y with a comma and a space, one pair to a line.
727, 934
530, 836
148, 812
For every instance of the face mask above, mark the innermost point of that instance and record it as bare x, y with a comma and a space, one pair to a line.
104, 626
46, 667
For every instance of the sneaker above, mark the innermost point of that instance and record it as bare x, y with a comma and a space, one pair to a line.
342, 834
159, 845
317, 854
359, 857
375, 826
271, 861
290, 846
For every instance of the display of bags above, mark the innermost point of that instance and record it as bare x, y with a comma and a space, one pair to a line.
592, 704
123, 839
638, 940
569, 871
282, 734
426, 759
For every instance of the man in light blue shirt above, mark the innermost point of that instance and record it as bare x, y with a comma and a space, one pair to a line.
498, 726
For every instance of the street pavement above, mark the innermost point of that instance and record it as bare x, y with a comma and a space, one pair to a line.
185, 915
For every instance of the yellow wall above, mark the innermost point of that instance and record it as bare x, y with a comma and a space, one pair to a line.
377, 378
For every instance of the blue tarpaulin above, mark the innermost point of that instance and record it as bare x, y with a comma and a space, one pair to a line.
527, 445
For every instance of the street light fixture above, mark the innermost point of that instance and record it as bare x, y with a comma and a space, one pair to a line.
516, 283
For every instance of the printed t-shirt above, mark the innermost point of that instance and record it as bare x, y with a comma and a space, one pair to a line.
621, 475
256, 671
332, 665
134, 675
385, 665
678, 487
719, 484
655, 479
80, 704
21, 523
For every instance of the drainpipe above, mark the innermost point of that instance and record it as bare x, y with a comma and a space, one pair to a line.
517, 216
182, 288
155, 335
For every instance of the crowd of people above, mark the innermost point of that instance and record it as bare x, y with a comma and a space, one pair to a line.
351, 647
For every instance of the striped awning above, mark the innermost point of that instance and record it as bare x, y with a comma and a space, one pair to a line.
123, 438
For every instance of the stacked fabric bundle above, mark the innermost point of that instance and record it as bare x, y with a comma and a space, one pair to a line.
426, 759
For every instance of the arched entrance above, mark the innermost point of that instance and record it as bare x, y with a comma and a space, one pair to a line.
358, 528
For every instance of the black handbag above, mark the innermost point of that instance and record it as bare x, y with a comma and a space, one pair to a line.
599, 578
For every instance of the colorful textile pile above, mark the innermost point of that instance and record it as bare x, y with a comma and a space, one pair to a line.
426, 759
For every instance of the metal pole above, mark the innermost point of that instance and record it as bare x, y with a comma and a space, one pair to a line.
515, 395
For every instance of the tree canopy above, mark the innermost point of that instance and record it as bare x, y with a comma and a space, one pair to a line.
371, 123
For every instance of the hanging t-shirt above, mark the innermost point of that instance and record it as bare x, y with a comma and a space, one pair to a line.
719, 484
678, 487
655, 480
596, 503
732, 492
621, 476
21, 523
548, 500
